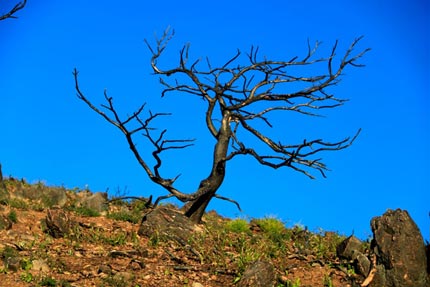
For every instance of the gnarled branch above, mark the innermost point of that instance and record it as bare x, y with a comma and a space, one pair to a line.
159, 143
255, 90
243, 90
15, 9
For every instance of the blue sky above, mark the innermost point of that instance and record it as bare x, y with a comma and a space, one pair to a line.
48, 134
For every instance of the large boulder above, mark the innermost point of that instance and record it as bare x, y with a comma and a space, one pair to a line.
400, 249
169, 223
95, 201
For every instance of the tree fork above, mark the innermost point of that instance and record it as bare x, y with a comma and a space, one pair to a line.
237, 95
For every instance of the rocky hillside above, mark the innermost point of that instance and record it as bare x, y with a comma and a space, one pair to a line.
50, 236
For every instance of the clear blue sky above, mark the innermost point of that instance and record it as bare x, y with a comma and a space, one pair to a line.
48, 134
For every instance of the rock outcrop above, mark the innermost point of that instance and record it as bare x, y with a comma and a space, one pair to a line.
399, 249
167, 222
95, 201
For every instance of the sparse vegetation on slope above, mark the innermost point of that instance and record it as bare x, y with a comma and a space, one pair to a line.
105, 249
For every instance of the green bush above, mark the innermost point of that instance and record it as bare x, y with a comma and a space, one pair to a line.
238, 226
272, 227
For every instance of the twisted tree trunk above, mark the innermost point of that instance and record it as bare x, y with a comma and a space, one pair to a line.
208, 187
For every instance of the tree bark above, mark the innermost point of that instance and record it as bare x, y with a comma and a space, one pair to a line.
208, 187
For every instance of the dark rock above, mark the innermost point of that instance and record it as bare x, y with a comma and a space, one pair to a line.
348, 247
167, 222
362, 264
428, 258
379, 279
351, 249
399, 247
258, 274
58, 223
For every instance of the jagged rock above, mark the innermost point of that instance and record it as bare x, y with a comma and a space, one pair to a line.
58, 223
428, 260
362, 263
379, 279
167, 222
258, 274
351, 249
96, 201
348, 247
399, 247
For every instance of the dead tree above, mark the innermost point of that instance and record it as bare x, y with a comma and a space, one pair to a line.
237, 95
15, 9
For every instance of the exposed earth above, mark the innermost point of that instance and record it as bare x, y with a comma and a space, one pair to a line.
105, 249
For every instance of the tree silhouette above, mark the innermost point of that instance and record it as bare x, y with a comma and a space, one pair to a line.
236, 96
15, 9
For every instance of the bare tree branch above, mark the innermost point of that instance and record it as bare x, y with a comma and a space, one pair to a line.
159, 143
247, 88
15, 9
244, 89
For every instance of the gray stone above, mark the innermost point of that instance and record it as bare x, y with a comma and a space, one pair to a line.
399, 247
362, 264
348, 247
258, 274
96, 201
167, 222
